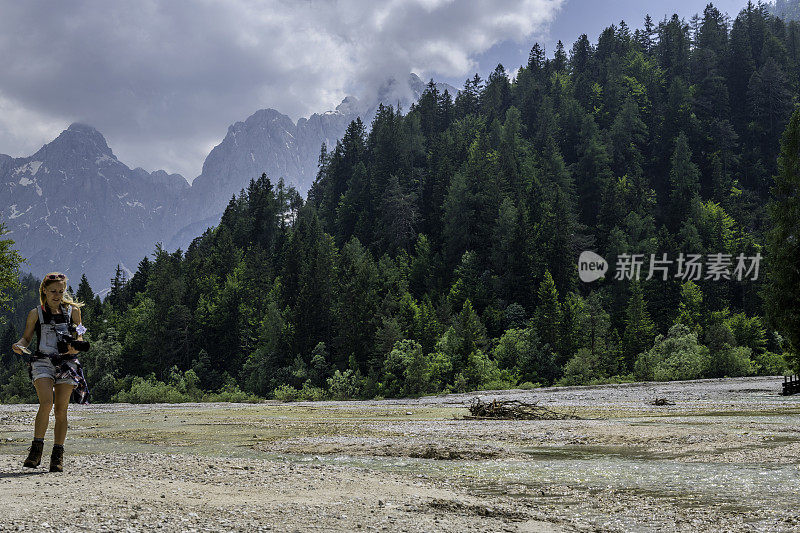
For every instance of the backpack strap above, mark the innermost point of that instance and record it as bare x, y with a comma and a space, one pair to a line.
41, 315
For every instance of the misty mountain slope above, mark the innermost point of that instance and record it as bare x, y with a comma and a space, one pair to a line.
73, 206
270, 142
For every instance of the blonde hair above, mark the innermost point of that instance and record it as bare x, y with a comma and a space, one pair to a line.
52, 278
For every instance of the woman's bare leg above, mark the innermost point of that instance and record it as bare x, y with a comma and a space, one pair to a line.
44, 390
63, 392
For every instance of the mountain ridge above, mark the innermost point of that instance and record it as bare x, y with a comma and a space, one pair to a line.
116, 215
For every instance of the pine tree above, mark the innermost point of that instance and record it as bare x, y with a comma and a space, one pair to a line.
398, 217
639, 328
691, 308
580, 63
428, 109
547, 317
741, 67
496, 95
649, 35
770, 102
628, 133
592, 172
470, 334
309, 285
558, 237
713, 32
783, 245
339, 168
596, 325
559, 63
84, 293
685, 182
468, 100
536, 60
508, 257
116, 296
471, 205
356, 307
674, 46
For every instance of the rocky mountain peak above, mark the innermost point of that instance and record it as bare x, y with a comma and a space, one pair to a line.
349, 106
79, 140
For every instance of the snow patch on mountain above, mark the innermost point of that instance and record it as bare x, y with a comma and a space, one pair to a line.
29, 168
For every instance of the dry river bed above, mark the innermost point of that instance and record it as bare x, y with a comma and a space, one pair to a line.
724, 457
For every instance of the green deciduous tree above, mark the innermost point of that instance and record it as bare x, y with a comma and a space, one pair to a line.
676, 356
9, 267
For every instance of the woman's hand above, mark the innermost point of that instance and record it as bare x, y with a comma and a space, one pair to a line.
20, 349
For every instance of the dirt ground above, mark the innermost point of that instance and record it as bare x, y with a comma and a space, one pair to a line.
723, 456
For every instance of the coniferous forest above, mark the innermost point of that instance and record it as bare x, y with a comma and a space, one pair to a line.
438, 248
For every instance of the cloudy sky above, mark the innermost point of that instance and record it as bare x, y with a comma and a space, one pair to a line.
163, 79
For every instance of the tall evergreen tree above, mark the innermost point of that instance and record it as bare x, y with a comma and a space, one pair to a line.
356, 307
783, 289
685, 182
639, 328
547, 317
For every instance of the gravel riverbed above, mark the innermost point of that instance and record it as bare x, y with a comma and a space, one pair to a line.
724, 455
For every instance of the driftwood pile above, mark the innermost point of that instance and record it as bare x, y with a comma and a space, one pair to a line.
661, 401
514, 410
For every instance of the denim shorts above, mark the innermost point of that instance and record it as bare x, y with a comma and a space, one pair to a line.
44, 368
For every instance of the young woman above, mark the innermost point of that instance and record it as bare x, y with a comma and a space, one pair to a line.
54, 367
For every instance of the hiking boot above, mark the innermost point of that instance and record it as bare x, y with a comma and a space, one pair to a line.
57, 459
35, 455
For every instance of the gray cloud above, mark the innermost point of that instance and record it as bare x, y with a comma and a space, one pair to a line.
162, 80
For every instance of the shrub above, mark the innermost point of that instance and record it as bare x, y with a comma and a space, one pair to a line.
748, 331
310, 393
406, 370
19, 388
481, 371
731, 362
440, 369
230, 394
521, 350
103, 390
149, 390
677, 356
770, 364
460, 384
187, 383
286, 393
726, 358
344, 385
582, 368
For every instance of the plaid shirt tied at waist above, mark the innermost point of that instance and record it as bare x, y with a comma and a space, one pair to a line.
63, 370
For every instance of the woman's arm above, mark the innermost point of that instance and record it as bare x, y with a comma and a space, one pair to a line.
27, 335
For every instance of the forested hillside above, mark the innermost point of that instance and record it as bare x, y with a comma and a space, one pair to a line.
437, 249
